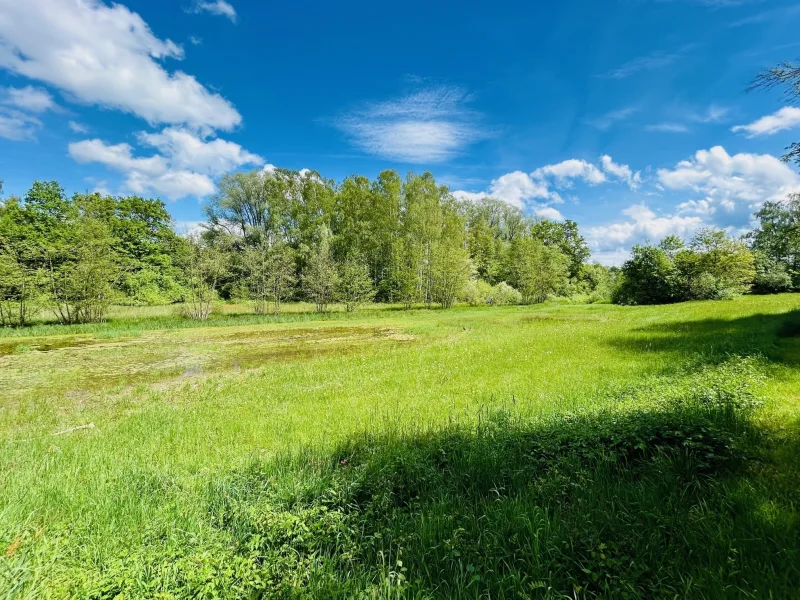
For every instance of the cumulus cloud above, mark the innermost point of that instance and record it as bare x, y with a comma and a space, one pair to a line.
724, 181
570, 169
727, 190
641, 224
188, 151
786, 118
548, 212
517, 188
215, 7
428, 126
621, 172
185, 165
538, 190
106, 56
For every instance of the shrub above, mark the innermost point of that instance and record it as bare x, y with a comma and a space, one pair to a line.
204, 264
477, 292
354, 286
772, 277
646, 278
503, 295
149, 287
321, 277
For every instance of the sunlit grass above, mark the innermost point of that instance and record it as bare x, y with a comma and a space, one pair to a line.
178, 406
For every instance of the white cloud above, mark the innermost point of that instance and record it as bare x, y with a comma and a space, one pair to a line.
29, 99
99, 186
107, 56
668, 127
426, 127
189, 228
548, 212
185, 166
76, 127
785, 118
519, 188
611, 258
641, 224
188, 151
622, 172
740, 181
516, 188
119, 156
714, 114
469, 196
655, 60
195, 40
216, 7
17, 109
18, 126
727, 189
608, 119
571, 169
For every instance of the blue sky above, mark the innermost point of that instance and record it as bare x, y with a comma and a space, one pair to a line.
628, 116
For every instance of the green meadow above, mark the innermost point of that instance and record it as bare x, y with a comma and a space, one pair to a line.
549, 451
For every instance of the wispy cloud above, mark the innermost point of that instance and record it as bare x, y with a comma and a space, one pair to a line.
215, 7
713, 114
668, 128
18, 126
679, 122
654, 60
29, 98
76, 127
431, 125
605, 121
765, 16
715, 3
17, 109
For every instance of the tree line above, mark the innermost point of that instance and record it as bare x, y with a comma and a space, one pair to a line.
281, 235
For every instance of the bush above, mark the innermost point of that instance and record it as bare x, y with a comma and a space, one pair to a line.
150, 287
503, 295
771, 277
354, 286
477, 292
646, 278
706, 287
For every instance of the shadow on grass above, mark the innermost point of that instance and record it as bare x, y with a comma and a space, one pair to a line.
658, 502
714, 340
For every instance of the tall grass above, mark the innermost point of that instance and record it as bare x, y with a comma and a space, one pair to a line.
572, 451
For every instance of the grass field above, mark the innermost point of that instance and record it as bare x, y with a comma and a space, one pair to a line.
555, 451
